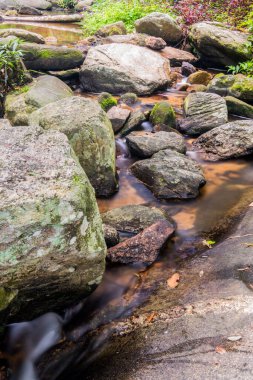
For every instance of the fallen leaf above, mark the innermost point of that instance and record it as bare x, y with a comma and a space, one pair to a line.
151, 317
243, 269
248, 244
220, 350
201, 273
208, 243
173, 281
234, 338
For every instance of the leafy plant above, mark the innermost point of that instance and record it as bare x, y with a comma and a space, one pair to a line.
11, 65
109, 11
245, 68
67, 4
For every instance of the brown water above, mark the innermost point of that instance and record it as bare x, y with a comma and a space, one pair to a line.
228, 190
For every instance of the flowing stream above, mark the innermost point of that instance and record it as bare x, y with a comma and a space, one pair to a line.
124, 288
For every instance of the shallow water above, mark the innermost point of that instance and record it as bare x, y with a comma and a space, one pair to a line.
124, 288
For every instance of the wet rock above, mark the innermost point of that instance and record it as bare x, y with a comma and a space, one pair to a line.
118, 117
160, 25
16, 4
169, 174
230, 140
219, 45
177, 56
163, 113
48, 57
90, 133
188, 69
107, 101
29, 11
145, 144
134, 122
112, 29
45, 89
111, 235
144, 247
129, 98
118, 68
238, 86
165, 128
24, 35
200, 77
203, 112
134, 218
139, 39
51, 231
238, 107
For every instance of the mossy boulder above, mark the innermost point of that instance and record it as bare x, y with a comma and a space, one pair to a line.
44, 89
238, 86
107, 101
48, 57
129, 98
238, 107
52, 245
91, 135
219, 45
200, 77
163, 113
116, 28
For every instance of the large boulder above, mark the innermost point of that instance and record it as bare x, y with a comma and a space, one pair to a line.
90, 132
45, 89
231, 140
218, 45
38, 4
119, 68
239, 86
145, 144
169, 174
52, 244
23, 34
203, 111
48, 57
160, 25
139, 39
144, 247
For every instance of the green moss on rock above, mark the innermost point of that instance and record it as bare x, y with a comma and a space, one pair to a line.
107, 101
163, 113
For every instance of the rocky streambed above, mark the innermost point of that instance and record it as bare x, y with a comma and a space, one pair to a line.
176, 183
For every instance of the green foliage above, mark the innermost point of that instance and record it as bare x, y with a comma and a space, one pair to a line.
245, 68
67, 4
11, 67
106, 12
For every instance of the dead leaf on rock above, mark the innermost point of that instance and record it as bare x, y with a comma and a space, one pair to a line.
173, 281
220, 350
234, 338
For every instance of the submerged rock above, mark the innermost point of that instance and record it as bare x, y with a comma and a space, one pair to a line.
134, 218
145, 144
24, 35
51, 232
163, 113
239, 86
231, 140
218, 45
90, 132
238, 107
203, 112
160, 25
144, 247
118, 68
48, 57
44, 89
169, 174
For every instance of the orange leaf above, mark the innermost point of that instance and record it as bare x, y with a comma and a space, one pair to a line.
173, 281
220, 350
